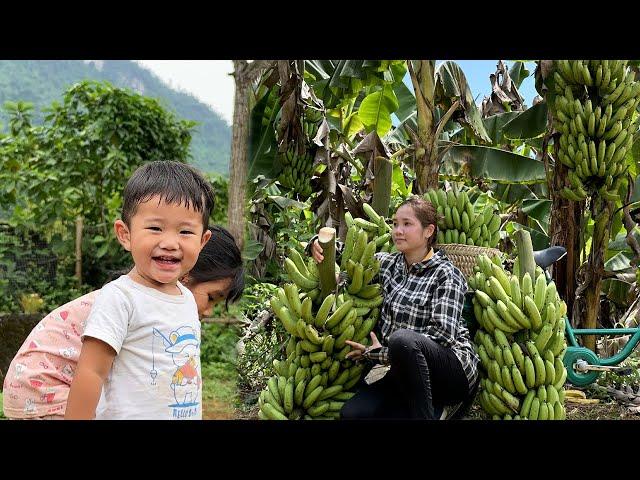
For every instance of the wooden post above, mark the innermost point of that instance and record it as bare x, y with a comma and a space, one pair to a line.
327, 268
79, 222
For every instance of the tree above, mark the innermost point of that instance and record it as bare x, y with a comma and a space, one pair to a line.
244, 74
76, 164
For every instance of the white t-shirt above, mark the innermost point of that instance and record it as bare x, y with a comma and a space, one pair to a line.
156, 372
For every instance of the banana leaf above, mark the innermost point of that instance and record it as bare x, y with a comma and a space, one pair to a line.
262, 140
376, 109
352, 125
451, 84
539, 240
528, 124
510, 193
538, 210
619, 262
620, 241
494, 125
617, 290
518, 72
399, 134
252, 250
345, 69
398, 180
284, 202
494, 164
406, 101
320, 69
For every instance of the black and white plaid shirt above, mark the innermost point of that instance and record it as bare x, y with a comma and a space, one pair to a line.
428, 298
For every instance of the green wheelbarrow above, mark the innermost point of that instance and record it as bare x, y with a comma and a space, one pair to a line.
584, 365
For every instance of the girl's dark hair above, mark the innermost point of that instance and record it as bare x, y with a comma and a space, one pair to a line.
426, 214
220, 258
173, 182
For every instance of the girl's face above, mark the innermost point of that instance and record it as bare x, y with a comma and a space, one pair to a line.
208, 294
408, 233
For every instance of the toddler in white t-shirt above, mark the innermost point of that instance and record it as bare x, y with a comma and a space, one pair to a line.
140, 357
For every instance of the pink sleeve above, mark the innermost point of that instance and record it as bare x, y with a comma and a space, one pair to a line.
38, 379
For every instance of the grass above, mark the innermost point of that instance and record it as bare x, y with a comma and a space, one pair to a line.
219, 393
220, 399
2, 417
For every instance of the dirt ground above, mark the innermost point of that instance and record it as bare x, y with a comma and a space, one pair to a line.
216, 410
606, 409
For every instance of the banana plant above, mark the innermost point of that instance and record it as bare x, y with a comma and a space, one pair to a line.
608, 211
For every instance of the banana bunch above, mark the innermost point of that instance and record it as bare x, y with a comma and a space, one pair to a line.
304, 274
296, 171
520, 343
314, 379
376, 227
362, 242
271, 107
311, 122
458, 221
594, 110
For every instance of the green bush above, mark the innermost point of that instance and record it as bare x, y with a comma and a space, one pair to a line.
218, 343
261, 347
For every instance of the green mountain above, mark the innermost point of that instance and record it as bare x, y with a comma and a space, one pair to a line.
43, 81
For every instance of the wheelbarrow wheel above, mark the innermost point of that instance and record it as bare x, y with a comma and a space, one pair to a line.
577, 378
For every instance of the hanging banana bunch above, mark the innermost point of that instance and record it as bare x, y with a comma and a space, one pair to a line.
593, 108
296, 171
459, 221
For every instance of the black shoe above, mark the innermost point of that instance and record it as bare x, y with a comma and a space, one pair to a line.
438, 413
449, 411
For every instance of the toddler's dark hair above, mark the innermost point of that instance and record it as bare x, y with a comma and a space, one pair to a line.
173, 182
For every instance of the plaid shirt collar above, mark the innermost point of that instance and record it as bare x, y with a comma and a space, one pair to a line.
437, 258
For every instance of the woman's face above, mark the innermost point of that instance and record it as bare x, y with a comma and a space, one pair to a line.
208, 294
408, 233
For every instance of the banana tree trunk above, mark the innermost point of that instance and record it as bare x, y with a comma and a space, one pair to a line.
244, 74
601, 212
422, 74
565, 231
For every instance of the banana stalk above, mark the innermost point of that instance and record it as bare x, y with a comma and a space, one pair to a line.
327, 268
383, 172
525, 254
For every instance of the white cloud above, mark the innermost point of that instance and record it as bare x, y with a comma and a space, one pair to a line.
207, 80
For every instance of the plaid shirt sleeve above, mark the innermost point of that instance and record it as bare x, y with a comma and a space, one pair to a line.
447, 309
379, 356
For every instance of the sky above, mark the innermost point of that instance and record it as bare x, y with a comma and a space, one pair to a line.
210, 82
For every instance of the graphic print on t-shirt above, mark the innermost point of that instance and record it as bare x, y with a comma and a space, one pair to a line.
184, 347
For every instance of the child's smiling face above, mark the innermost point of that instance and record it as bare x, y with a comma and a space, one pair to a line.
165, 240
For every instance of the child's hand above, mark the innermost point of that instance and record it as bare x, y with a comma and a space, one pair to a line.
316, 251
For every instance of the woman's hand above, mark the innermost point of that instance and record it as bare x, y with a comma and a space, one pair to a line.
358, 349
316, 251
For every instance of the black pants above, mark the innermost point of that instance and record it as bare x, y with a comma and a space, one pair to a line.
424, 376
